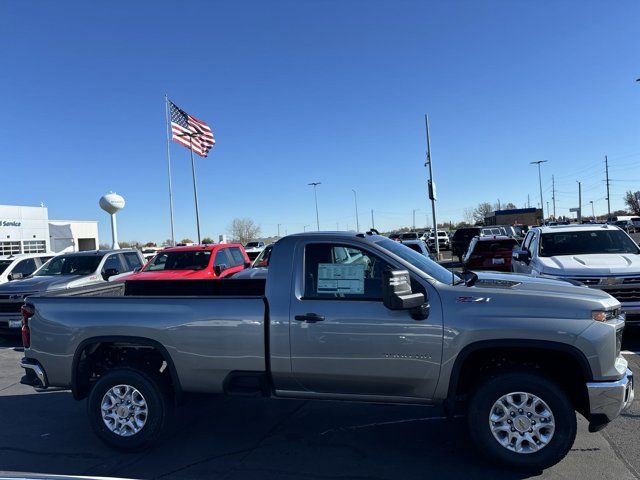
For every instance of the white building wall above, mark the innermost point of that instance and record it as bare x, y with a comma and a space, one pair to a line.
73, 235
23, 229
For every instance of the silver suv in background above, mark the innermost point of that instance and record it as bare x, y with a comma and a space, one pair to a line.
21, 265
64, 271
598, 256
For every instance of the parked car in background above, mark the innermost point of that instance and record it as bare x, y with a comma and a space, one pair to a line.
149, 252
627, 225
443, 241
21, 265
491, 231
396, 237
259, 266
253, 249
196, 262
409, 236
461, 240
420, 247
340, 316
599, 256
490, 253
68, 270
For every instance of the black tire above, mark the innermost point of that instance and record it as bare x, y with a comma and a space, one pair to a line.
492, 389
158, 401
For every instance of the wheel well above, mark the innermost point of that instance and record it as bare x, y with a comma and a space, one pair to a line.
94, 358
561, 366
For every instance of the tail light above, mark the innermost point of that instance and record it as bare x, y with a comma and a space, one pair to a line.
27, 312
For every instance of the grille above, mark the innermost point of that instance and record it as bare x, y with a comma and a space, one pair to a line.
633, 318
587, 281
624, 294
631, 280
10, 307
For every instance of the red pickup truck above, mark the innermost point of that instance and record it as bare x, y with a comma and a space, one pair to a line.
196, 262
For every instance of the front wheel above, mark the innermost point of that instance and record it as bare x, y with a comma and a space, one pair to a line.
522, 419
128, 408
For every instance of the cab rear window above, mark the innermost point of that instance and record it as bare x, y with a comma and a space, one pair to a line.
497, 246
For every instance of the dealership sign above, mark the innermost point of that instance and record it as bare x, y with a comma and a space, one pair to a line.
6, 223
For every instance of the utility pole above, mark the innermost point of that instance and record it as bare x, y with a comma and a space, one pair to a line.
548, 208
540, 183
606, 167
593, 212
414, 217
304, 229
432, 189
279, 230
373, 224
553, 195
499, 205
579, 201
315, 195
528, 201
355, 198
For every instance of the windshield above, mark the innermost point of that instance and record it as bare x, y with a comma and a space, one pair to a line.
70, 265
419, 261
188, 260
262, 260
4, 264
590, 241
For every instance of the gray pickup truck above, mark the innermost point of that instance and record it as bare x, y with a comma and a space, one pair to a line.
342, 316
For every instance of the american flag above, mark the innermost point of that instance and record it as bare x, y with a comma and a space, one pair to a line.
190, 132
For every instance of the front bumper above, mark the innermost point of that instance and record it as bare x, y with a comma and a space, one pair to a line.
608, 399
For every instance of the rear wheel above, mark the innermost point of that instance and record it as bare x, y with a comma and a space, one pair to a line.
523, 420
128, 408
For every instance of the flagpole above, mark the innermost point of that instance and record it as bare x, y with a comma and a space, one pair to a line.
195, 188
166, 105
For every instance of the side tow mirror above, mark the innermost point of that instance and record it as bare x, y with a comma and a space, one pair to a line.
110, 272
397, 294
219, 268
521, 256
247, 264
16, 276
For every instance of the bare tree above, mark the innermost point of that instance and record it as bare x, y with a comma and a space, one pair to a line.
509, 206
468, 215
483, 210
243, 230
632, 200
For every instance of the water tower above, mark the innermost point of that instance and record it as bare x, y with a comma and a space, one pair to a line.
112, 203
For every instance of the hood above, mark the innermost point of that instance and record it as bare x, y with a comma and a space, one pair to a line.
595, 264
171, 275
38, 284
539, 285
255, 272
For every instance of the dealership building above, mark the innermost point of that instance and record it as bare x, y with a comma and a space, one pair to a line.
29, 230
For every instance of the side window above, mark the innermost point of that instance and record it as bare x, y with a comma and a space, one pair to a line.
342, 271
236, 254
527, 241
112, 262
44, 260
132, 261
221, 258
25, 267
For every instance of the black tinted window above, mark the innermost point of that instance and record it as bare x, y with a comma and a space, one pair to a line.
71, 265
222, 258
187, 260
112, 263
590, 241
497, 246
25, 267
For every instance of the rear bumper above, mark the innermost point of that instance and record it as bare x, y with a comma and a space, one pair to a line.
608, 399
34, 376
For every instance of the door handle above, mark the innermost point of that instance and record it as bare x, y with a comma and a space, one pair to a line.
309, 318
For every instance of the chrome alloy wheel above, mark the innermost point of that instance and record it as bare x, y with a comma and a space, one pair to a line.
124, 410
522, 422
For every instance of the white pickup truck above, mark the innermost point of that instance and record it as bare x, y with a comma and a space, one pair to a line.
599, 256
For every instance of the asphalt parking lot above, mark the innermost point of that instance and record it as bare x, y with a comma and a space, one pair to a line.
238, 438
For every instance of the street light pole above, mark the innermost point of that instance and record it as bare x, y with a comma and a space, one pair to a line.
593, 212
315, 195
579, 201
540, 183
304, 229
414, 217
432, 189
355, 198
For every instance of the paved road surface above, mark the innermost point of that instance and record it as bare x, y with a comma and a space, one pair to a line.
238, 438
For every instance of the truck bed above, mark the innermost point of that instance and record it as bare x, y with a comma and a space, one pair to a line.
208, 328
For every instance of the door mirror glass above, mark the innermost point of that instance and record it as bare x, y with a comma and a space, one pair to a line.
396, 291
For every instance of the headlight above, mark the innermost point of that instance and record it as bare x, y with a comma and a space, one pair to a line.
605, 315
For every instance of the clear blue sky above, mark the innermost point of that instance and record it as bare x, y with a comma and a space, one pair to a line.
301, 91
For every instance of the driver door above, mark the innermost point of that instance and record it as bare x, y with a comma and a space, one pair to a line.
344, 341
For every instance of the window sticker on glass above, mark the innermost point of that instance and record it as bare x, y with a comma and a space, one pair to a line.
337, 278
